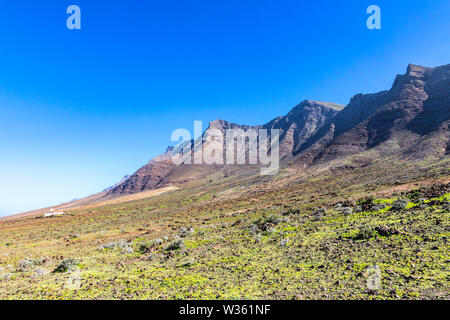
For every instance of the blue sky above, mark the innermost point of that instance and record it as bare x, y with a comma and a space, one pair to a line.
81, 108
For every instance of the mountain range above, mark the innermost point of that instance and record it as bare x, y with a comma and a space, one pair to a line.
410, 121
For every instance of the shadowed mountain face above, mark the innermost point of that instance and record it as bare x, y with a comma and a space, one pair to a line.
412, 119
147, 177
296, 128
117, 184
301, 123
416, 107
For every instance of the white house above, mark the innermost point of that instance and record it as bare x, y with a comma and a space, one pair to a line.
54, 213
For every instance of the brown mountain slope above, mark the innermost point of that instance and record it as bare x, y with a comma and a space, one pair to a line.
296, 128
412, 118
147, 177
302, 122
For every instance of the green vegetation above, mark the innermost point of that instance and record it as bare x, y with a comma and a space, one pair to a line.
251, 240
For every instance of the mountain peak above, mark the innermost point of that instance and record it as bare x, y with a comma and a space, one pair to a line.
224, 125
416, 68
316, 104
331, 105
416, 107
218, 123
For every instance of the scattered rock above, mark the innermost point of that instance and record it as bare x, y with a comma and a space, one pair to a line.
25, 264
108, 246
346, 211
28, 263
176, 237
284, 242
125, 247
121, 245
40, 272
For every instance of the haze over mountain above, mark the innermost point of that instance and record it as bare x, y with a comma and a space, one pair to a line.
411, 121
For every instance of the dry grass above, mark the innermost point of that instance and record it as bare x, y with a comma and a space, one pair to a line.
322, 259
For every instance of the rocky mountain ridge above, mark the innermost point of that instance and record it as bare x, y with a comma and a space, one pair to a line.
410, 120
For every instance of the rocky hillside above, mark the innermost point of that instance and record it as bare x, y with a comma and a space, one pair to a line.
125, 178
147, 177
301, 123
296, 128
411, 121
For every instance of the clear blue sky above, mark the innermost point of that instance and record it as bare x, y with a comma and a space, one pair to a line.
80, 109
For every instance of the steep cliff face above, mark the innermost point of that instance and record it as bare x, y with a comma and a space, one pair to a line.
296, 128
301, 123
411, 120
148, 177
417, 105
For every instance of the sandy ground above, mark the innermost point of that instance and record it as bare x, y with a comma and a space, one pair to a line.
90, 202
